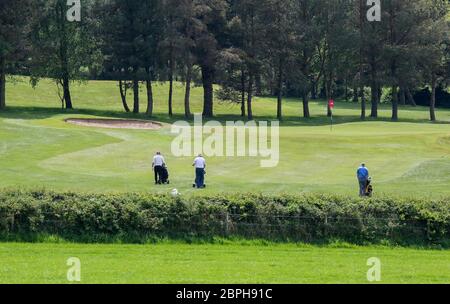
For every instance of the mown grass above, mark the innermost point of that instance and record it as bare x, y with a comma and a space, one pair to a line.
232, 262
38, 149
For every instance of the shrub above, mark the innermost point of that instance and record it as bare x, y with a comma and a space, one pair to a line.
305, 218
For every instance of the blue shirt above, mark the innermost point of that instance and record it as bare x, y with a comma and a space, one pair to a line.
363, 173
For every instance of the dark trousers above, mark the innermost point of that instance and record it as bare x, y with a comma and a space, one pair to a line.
199, 177
158, 173
362, 187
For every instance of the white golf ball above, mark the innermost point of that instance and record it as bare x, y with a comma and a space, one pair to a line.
175, 193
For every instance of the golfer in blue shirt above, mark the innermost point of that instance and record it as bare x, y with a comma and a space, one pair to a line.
363, 176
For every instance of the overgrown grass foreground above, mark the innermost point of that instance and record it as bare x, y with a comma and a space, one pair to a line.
135, 218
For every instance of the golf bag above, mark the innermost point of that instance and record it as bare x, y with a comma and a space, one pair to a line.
165, 175
203, 179
369, 189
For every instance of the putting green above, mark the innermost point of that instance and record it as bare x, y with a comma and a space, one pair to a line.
39, 149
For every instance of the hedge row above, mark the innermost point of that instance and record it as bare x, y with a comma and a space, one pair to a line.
306, 218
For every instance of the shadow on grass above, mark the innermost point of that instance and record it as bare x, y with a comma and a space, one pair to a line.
154, 239
31, 113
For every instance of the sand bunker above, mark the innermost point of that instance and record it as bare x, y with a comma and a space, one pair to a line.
115, 123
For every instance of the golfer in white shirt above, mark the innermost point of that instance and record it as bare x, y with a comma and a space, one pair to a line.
200, 166
157, 165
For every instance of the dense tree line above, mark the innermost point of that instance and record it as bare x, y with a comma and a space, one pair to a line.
303, 48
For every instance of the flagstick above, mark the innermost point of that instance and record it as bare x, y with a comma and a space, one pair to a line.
331, 120
331, 107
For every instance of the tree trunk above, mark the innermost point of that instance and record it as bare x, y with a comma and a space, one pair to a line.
271, 83
135, 93
306, 113
208, 91
363, 102
410, 97
279, 105
187, 93
346, 88
258, 84
123, 95
355, 94
243, 93
393, 67
63, 57
361, 56
2, 84
433, 98
66, 89
373, 89
250, 97
374, 100
402, 96
280, 92
314, 90
149, 87
171, 68
394, 103
329, 94
380, 93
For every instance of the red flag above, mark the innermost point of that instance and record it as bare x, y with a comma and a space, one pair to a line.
331, 103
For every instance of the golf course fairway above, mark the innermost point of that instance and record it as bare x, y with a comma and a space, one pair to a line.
39, 149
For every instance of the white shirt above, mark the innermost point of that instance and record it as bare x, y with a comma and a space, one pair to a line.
200, 163
158, 160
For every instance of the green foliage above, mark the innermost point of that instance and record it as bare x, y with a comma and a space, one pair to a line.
12, 45
61, 48
130, 32
306, 218
12, 28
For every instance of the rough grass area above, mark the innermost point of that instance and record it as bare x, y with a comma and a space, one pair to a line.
232, 262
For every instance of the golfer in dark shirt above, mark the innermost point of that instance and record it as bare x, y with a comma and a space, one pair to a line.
363, 175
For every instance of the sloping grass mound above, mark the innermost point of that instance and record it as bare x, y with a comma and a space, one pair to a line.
312, 218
